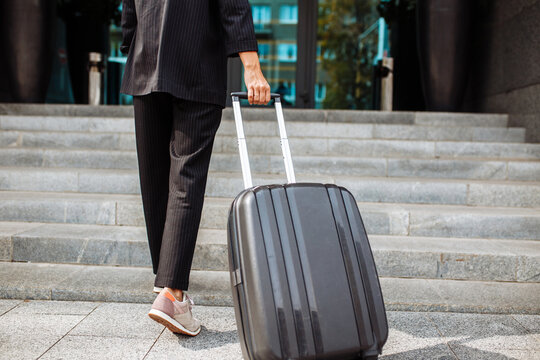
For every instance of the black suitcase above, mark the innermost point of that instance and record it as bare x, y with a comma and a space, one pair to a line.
303, 278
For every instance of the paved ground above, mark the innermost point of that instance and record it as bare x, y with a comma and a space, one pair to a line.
93, 330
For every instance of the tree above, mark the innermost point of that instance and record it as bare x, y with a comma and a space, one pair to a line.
347, 51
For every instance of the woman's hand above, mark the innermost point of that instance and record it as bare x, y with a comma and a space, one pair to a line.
257, 86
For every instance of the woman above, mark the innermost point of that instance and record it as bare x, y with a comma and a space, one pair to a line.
176, 71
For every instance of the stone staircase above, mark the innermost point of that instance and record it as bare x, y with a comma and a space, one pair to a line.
451, 203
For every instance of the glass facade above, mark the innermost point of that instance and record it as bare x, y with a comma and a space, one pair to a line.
347, 50
276, 23
346, 47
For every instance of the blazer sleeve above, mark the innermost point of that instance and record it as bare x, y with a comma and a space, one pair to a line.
237, 22
129, 25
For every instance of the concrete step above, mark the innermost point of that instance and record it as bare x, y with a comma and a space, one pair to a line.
446, 168
124, 138
319, 147
396, 256
227, 184
347, 164
379, 218
125, 284
9, 111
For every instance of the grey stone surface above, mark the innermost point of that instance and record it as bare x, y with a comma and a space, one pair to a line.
95, 159
371, 117
476, 223
218, 338
66, 110
43, 123
8, 305
129, 284
105, 283
130, 212
529, 322
28, 323
45, 210
460, 119
18, 346
7, 230
112, 182
494, 336
46, 307
413, 336
69, 140
120, 320
93, 347
32, 281
460, 296
418, 132
449, 133
103, 334
66, 123
487, 150
376, 148
513, 195
86, 244
405, 191
397, 256
21, 157
448, 169
499, 135
295, 129
524, 171
10, 138
37, 180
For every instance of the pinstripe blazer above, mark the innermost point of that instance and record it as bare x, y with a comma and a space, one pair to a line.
181, 46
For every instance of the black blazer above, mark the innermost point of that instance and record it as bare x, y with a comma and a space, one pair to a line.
181, 46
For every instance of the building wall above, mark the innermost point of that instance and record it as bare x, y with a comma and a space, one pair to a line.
505, 75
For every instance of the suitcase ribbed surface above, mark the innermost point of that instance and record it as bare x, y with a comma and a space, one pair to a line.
303, 275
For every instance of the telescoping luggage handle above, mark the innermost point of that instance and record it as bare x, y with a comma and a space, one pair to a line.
244, 160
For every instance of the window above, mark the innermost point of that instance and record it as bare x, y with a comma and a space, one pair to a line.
287, 52
262, 15
264, 52
288, 14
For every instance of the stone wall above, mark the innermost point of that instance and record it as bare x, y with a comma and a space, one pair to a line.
505, 72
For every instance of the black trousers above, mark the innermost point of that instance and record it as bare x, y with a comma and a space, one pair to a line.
174, 140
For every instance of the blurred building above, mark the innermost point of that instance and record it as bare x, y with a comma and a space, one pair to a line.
322, 54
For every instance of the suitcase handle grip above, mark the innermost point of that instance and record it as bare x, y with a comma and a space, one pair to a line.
244, 95
242, 147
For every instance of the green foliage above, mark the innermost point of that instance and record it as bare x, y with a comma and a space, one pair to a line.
103, 11
345, 54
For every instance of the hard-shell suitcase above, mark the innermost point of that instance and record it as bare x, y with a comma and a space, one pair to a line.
303, 278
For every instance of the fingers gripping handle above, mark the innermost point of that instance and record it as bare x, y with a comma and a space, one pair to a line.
242, 146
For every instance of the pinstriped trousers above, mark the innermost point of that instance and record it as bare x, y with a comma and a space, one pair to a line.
174, 140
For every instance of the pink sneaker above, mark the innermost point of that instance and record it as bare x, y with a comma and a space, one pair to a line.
175, 315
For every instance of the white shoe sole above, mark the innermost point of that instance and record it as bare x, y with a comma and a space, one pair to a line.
157, 289
170, 323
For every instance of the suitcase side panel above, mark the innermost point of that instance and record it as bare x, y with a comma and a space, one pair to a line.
255, 305
369, 271
287, 282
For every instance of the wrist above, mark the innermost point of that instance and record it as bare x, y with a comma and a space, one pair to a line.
250, 60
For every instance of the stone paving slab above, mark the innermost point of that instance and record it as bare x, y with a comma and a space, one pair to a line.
124, 331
